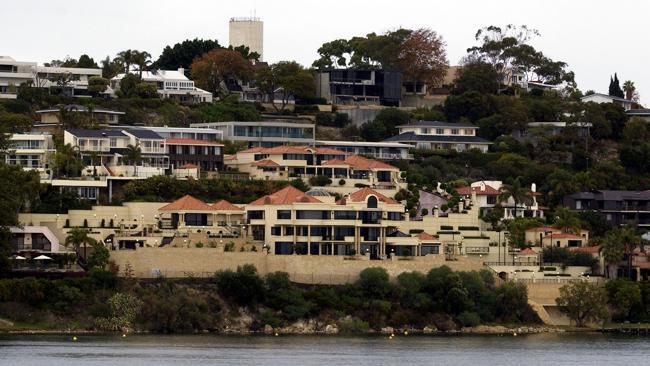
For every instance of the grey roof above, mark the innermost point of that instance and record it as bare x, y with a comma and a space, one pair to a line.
644, 111
143, 134
96, 133
78, 108
608, 96
318, 193
398, 234
413, 137
611, 195
436, 124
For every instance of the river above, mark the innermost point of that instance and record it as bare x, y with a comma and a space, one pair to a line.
143, 350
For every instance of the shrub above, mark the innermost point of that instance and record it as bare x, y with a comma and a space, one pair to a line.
342, 182
99, 256
199, 245
103, 223
85, 222
425, 212
360, 185
320, 181
244, 287
468, 319
229, 247
374, 282
354, 325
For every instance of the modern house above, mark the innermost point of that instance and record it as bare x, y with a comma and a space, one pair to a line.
487, 196
50, 119
267, 133
359, 87
32, 241
604, 98
551, 129
31, 151
194, 133
188, 214
205, 155
71, 81
546, 236
375, 150
438, 135
344, 170
171, 84
643, 113
364, 222
616, 207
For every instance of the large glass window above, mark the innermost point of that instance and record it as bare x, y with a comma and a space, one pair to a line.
255, 215
430, 249
312, 215
396, 216
345, 215
196, 219
284, 214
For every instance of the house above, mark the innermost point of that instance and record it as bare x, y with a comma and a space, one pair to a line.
268, 133
438, 135
643, 113
194, 133
205, 155
50, 119
364, 222
189, 213
359, 87
547, 236
616, 207
31, 151
551, 129
487, 196
170, 84
604, 98
375, 150
345, 171
71, 81
31, 241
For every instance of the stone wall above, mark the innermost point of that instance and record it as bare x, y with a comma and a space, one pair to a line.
203, 262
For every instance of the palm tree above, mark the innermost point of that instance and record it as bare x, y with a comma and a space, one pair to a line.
78, 237
133, 155
629, 89
67, 159
567, 220
517, 192
94, 155
127, 58
617, 243
142, 59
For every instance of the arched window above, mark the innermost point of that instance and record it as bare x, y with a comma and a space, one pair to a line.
372, 202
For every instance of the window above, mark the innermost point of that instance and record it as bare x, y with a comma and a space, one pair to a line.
345, 215
288, 230
372, 202
578, 205
113, 142
454, 131
284, 214
492, 200
396, 216
440, 131
276, 230
302, 231
430, 249
255, 215
312, 215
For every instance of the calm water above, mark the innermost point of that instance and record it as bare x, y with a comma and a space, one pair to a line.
543, 349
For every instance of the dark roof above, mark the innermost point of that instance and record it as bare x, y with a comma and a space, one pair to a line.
436, 124
398, 234
118, 150
412, 137
608, 195
643, 111
143, 134
96, 133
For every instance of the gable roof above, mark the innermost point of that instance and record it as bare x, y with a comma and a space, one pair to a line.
527, 251
187, 203
290, 149
362, 194
265, 162
589, 249
144, 134
285, 196
426, 236
619, 99
359, 162
223, 205
489, 191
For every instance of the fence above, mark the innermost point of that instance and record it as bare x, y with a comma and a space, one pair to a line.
548, 281
312, 278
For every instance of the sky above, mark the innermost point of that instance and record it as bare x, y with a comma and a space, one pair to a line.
596, 38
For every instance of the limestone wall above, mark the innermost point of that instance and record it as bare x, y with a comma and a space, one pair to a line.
203, 262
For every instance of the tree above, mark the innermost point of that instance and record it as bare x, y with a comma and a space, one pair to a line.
300, 184
67, 161
615, 87
97, 84
142, 59
477, 76
78, 237
99, 256
182, 54
217, 66
566, 220
518, 193
128, 85
617, 243
133, 155
127, 58
286, 79
384, 125
624, 297
111, 68
86, 62
94, 156
629, 89
583, 302
422, 58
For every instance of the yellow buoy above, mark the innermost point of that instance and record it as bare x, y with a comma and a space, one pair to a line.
392, 334
74, 338
514, 334
406, 332
276, 334
123, 335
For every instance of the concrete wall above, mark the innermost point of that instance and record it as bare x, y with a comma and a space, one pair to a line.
203, 262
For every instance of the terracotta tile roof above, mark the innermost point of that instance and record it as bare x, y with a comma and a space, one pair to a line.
426, 236
177, 141
252, 150
336, 162
230, 157
359, 162
187, 203
527, 251
467, 191
564, 236
542, 229
265, 162
593, 249
290, 149
285, 196
360, 196
188, 166
224, 205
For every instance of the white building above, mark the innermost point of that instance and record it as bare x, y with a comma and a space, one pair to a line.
171, 84
438, 135
13, 73
268, 133
487, 196
31, 151
376, 150
248, 32
604, 98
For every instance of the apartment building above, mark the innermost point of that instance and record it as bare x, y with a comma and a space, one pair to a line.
616, 207
31, 151
364, 222
345, 171
100, 116
359, 87
487, 196
438, 135
170, 84
32, 241
203, 154
375, 150
268, 133
13, 73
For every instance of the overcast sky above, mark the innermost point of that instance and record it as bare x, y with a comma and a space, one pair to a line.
596, 38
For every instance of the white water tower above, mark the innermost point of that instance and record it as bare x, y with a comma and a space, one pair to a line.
248, 31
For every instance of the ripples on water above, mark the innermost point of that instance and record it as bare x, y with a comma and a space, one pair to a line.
145, 350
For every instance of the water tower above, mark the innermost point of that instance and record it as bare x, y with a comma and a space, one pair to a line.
248, 32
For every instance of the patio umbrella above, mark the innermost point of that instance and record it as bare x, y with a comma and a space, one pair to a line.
19, 257
42, 257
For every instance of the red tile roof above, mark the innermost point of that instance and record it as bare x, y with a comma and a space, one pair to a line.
224, 205
541, 229
252, 150
527, 251
290, 149
188, 166
592, 249
177, 141
336, 162
285, 196
427, 236
264, 162
489, 191
359, 162
362, 194
564, 236
187, 203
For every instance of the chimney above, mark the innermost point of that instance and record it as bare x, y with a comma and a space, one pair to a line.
181, 70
